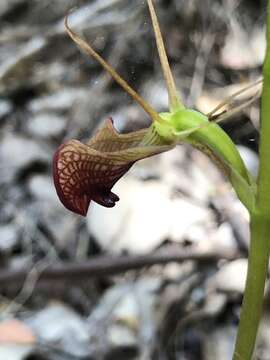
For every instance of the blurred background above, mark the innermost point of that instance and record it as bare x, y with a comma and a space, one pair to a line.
161, 275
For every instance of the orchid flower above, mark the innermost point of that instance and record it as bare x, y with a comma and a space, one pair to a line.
85, 172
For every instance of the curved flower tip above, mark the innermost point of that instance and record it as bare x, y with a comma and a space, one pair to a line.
85, 172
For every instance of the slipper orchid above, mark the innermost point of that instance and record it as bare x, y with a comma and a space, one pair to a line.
88, 172
85, 172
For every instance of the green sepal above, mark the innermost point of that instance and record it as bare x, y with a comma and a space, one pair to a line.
193, 127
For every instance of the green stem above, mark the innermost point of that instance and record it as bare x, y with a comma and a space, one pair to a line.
260, 230
264, 173
253, 297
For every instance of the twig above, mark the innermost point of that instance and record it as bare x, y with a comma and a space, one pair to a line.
103, 266
198, 77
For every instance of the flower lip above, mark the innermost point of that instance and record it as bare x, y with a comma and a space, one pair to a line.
77, 182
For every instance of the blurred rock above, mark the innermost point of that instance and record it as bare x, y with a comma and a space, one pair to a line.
8, 237
17, 152
19, 262
138, 223
156, 94
231, 277
219, 343
229, 207
121, 336
15, 352
184, 216
251, 159
128, 118
61, 223
5, 108
58, 324
46, 125
223, 237
174, 271
42, 188
214, 304
58, 101
243, 50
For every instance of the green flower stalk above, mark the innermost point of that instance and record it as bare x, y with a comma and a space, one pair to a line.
259, 228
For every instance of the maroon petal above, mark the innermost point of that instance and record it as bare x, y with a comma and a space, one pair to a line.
82, 174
